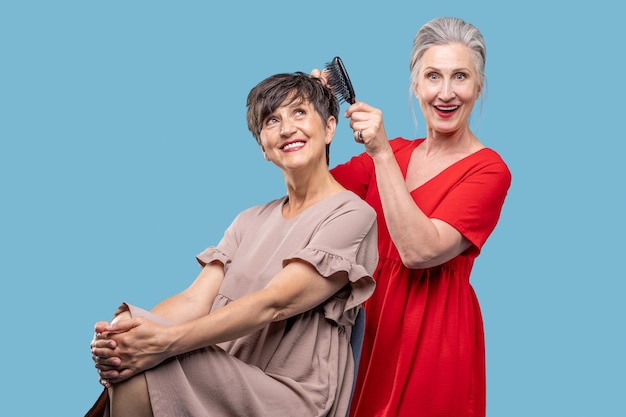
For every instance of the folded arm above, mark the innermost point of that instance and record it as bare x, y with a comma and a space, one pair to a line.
135, 345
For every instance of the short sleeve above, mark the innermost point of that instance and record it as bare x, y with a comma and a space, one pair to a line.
225, 250
346, 241
212, 253
473, 206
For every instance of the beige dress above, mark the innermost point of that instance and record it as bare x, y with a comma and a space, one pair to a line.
297, 367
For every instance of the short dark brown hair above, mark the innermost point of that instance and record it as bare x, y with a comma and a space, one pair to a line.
295, 87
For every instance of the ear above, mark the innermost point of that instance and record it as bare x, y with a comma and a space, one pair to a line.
415, 91
331, 126
479, 90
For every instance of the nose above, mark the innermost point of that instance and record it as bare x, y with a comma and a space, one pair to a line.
447, 91
287, 128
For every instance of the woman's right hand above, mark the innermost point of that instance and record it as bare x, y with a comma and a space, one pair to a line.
106, 363
139, 344
366, 121
369, 129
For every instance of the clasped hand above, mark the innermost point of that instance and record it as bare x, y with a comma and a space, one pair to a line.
126, 347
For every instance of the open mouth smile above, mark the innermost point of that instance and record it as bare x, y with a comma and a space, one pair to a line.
292, 145
446, 109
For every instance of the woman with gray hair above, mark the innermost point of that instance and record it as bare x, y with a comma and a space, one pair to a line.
438, 199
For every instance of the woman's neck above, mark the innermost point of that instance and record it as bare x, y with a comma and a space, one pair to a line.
464, 143
304, 192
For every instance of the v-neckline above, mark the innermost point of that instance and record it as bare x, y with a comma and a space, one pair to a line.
405, 169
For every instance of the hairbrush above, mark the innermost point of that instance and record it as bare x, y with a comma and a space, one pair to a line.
339, 81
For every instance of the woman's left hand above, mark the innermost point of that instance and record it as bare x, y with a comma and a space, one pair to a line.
128, 347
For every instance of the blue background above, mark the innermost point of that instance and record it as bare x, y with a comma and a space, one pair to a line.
124, 152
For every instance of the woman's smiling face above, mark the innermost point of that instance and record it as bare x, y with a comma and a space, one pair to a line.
294, 134
447, 87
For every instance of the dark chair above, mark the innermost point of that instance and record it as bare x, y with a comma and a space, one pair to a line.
356, 341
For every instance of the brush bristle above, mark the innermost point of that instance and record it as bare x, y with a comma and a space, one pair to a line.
339, 81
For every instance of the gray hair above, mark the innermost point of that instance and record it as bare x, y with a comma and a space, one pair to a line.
444, 31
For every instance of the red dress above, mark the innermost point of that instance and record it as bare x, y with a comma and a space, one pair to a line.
424, 352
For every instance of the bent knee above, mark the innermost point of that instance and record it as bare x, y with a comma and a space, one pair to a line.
131, 398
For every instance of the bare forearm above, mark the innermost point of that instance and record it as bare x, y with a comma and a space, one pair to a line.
237, 319
296, 288
179, 309
414, 234
196, 300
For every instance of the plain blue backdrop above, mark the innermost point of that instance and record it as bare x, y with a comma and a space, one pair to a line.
124, 152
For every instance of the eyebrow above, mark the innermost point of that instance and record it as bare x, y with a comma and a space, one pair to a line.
465, 69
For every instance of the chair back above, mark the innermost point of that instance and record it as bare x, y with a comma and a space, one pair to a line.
356, 342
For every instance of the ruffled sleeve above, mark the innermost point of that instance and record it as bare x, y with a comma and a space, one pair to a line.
362, 284
211, 254
346, 243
